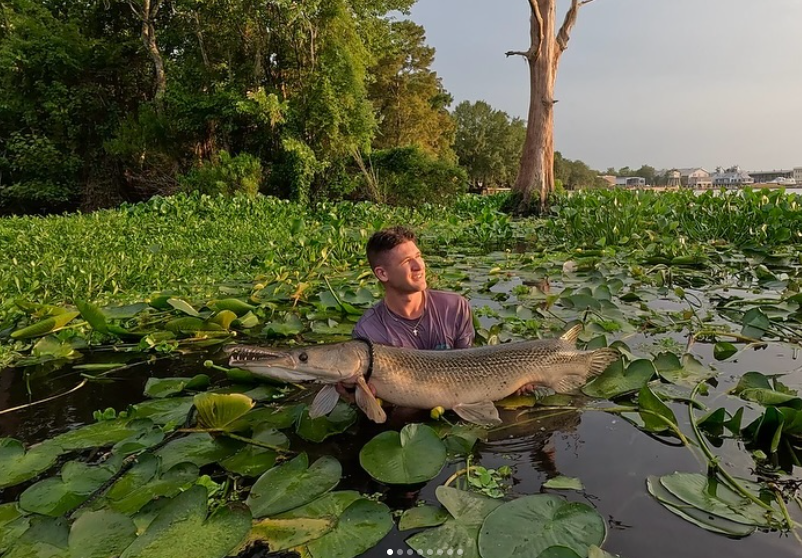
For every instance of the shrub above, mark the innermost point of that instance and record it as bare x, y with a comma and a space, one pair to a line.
226, 175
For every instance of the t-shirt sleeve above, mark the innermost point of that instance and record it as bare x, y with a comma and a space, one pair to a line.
464, 331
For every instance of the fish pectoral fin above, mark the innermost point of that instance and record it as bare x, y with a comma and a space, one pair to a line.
324, 402
366, 401
483, 413
570, 383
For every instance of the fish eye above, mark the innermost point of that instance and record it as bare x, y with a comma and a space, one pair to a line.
303, 357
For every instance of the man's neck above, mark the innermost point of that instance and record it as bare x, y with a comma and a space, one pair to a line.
406, 305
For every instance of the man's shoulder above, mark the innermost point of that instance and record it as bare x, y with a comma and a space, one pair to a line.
447, 298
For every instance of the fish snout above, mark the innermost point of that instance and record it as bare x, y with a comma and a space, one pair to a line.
243, 354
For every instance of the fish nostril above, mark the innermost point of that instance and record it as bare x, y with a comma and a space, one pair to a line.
303, 357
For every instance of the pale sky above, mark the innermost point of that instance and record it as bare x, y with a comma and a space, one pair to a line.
670, 83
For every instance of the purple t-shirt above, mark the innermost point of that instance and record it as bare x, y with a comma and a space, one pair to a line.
446, 324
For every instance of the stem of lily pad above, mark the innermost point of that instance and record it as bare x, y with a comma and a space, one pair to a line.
46, 399
736, 336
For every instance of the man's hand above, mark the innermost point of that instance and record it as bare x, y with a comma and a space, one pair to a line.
528, 389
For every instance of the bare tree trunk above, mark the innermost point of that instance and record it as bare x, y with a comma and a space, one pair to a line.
147, 14
536, 171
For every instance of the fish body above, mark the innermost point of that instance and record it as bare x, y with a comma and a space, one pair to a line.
465, 380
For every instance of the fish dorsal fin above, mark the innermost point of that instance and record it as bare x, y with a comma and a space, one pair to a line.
366, 401
572, 334
483, 413
324, 402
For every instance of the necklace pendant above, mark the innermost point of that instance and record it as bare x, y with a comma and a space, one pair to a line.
415, 332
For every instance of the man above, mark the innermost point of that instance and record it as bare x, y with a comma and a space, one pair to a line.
411, 315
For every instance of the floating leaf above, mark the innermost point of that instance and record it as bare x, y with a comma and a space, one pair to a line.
293, 484
145, 482
752, 380
183, 306
220, 411
564, 483
422, 516
689, 372
723, 351
100, 434
538, 522
359, 528
12, 525
56, 496
617, 381
165, 387
17, 465
414, 455
101, 534
234, 305
755, 324
336, 422
252, 460
658, 416
165, 411
283, 534
198, 448
47, 537
459, 533
182, 529
93, 315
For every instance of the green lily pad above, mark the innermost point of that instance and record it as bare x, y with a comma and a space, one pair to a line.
699, 517
173, 410
360, 527
714, 498
564, 483
165, 387
617, 381
145, 482
752, 380
17, 465
527, 526
47, 537
656, 415
12, 525
217, 411
318, 429
293, 484
459, 533
101, 534
685, 372
182, 529
723, 350
755, 324
422, 516
558, 552
252, 460
278, 417
56, 496
101, 434
198, 448
283, 534
414, 455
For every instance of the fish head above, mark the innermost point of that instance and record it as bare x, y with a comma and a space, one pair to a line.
328, 364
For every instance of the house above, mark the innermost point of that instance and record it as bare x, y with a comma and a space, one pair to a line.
732, 177
770, 177
630, 181
696, 178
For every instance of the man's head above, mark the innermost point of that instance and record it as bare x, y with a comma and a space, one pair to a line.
396, 260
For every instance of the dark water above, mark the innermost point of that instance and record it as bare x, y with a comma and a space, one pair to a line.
609, 455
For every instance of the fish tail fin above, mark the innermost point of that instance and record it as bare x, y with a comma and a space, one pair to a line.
572, 334
601, 359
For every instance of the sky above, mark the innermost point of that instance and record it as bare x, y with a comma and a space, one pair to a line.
669, 83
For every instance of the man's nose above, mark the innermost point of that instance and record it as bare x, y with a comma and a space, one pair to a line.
417, 265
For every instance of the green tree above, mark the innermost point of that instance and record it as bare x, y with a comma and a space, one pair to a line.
488, 143
409, 96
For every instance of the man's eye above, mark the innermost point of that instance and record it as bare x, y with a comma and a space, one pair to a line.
303, 357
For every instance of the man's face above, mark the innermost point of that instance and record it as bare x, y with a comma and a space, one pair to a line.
403, 269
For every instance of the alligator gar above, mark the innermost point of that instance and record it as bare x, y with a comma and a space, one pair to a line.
466, 381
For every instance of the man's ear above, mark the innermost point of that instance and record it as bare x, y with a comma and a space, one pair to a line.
381, 274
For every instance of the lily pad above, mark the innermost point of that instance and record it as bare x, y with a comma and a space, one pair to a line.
182, 529
173, 410
56, 496
527, 526
101, 434
145, 482
198, 448
656, 415
564, 483
318, 429
47, 537
360, 527
699, 517
414, 455
12, 525
422, 516
293, 484
755, 324
217, 411
283, 534
165, 387
617, 380
17, 465
252, 460
101, 534
685, 372
459, 533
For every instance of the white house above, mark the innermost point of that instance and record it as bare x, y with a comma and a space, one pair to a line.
695, 178
732, 177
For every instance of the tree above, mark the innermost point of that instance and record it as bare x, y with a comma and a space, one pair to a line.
536, 172
409, 96
488, 143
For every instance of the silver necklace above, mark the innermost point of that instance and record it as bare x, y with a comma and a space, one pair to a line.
420, 318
